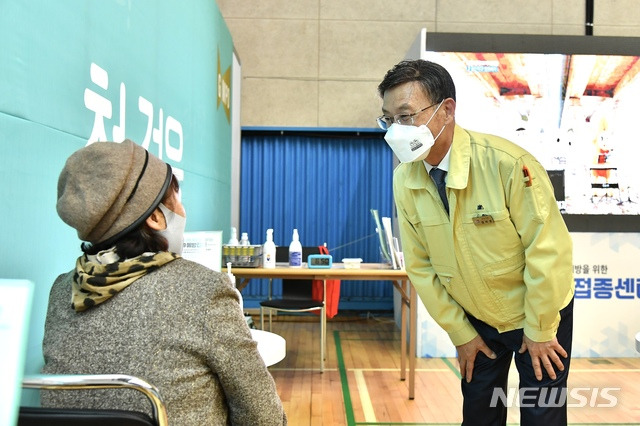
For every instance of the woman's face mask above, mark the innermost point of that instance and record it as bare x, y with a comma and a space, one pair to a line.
174, 232
411, 143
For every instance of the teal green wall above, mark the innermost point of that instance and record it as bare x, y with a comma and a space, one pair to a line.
168, 52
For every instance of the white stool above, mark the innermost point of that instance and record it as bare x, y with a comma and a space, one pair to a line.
638, 341
271, 346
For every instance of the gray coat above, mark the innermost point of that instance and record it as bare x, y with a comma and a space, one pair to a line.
181, 329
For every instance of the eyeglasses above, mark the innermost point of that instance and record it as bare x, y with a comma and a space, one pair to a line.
385, 122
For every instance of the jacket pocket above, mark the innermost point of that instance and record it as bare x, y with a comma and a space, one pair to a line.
491, 241
434, 230
504, 281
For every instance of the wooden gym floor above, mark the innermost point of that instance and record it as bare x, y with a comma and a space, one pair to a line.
361, 383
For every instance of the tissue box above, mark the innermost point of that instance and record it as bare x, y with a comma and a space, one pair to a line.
352, 263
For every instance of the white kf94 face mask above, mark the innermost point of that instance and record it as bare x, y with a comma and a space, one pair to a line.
174, 232
411, 143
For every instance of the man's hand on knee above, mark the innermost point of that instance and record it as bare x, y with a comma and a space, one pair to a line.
467, 355
544, 354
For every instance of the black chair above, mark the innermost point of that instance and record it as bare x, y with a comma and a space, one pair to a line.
41, 416
296, 297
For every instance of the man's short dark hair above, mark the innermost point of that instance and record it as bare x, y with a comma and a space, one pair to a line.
434, 78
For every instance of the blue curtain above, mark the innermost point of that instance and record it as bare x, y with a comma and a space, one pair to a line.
323, 184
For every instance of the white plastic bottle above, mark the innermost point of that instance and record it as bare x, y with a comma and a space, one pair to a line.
244, 240
233, 241
232, 278
269, 251
295, 251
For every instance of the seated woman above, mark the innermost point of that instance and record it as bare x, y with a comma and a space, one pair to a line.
132, 305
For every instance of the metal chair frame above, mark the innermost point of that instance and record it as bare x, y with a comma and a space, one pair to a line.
306, 305
96, 381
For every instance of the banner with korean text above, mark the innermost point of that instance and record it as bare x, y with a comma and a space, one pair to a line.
607, 299
75, 72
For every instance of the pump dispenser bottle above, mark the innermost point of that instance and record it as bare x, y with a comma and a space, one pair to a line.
269, 251
295, 251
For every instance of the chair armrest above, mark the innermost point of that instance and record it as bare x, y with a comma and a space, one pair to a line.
100, 381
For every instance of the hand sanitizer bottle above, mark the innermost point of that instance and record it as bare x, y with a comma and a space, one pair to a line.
295, 251
233, 241
269, 251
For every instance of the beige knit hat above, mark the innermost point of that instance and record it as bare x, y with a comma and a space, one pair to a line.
108, 189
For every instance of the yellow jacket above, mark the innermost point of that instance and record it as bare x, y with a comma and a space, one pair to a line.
514, 268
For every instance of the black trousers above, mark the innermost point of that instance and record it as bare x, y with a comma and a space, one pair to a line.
542, 403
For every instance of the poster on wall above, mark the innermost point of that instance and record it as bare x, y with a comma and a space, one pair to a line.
575, 113
607, 298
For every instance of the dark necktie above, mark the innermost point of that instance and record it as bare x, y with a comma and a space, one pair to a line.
438, 177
